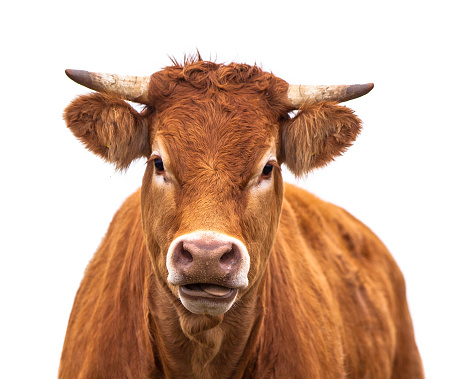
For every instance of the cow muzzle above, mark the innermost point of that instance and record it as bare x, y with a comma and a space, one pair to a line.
209, 269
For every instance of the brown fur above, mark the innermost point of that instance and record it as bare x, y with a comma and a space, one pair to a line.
109, 127
318, 134
325, 298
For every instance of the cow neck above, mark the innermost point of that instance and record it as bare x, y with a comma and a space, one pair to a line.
204, 346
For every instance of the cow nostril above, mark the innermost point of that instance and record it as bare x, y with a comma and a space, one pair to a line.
183, 257
186, 256
229, 258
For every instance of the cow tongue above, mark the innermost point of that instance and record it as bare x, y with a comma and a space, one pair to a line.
213, 289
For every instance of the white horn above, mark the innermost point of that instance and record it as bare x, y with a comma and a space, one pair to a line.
133, 88
299, 95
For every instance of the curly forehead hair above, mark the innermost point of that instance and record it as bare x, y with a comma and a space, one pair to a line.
208, 79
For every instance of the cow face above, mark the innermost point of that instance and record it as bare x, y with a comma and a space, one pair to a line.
215, 137
211, 196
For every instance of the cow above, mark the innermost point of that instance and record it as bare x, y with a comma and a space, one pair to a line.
215, 268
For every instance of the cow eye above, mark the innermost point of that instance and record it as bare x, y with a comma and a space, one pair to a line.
159, 166
267, 170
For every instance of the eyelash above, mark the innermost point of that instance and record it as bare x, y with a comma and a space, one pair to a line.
267, 171
157, 163
159, 167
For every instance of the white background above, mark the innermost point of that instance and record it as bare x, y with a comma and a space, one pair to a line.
57, 199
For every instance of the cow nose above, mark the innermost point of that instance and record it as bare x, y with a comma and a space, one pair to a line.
212, 255
208, 257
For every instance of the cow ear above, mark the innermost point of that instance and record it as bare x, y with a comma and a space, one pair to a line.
109, 127
316, 135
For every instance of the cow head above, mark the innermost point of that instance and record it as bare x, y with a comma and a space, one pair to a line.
215, 137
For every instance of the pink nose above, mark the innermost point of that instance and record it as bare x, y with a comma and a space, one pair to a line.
211, 258
208, 258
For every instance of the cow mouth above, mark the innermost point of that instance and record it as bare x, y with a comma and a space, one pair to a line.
205, 298
208, 291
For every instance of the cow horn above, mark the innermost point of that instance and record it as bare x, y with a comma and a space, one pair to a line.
299, 95
133, 88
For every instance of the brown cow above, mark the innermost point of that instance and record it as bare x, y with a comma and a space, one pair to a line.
215, 268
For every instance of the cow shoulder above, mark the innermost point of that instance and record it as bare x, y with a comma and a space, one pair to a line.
105, 335
350, 275
326, 225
